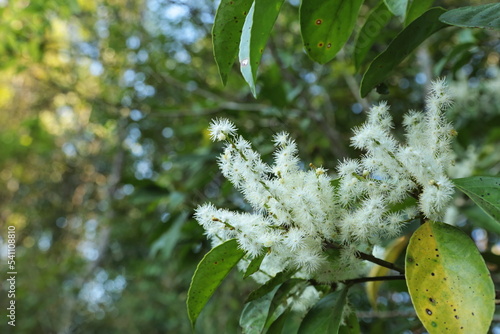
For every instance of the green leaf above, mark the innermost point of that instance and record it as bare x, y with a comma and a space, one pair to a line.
479, 218
255, 313
405, 204
254, 265
211, 270
404, 43
256, 31
278, 325
448, 281
280, 298
226, 33
264, 312
326, 25
415, 9
484, 191
368, 34
270, 285
397, 7
483, 16
335, 182
351, 325
325, 316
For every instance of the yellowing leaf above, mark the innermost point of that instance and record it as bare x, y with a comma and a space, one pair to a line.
392, 253
448, 281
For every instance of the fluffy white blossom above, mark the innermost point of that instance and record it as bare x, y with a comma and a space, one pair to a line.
220, 129
300, 216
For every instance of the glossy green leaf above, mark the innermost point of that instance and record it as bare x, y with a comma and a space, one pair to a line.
448, 281
483, 16
325, 316
270, 285
226, 33
326, 26
397, 7
479, 218
244, 54
264, 312
278, 325
369, 33
404, 43
254, 265
351, 325
279, 298
484, 191
415, 9
255, 313
211, 270
256, 31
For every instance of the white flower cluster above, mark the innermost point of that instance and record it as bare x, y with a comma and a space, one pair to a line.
298, 215
293, 208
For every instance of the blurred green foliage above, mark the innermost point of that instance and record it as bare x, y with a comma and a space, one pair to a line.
104, 106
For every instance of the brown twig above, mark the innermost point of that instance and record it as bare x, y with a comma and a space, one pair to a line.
370, 258
374, 279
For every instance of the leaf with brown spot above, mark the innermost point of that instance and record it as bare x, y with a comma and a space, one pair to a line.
211, 270
226, 33
447, 278
326, 25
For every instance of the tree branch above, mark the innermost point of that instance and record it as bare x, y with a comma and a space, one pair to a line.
380, 262
373, 279
369, 257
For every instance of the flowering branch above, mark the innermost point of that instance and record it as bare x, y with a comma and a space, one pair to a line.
298, 215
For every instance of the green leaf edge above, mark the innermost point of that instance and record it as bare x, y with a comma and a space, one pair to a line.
459, 183
254, 265
270, 285
333, 325
381, 58
224, 69
445, 18
231, 245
